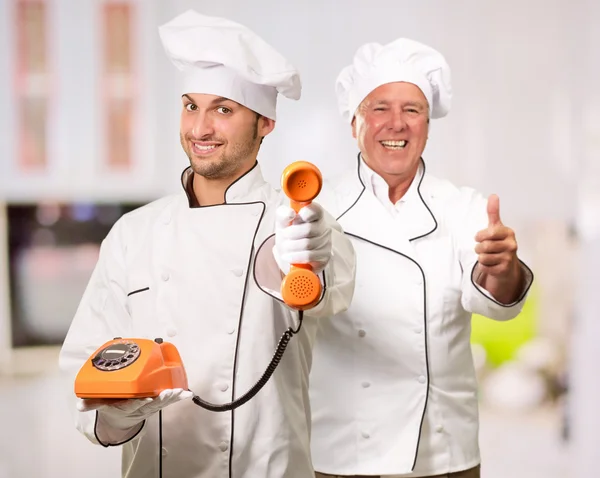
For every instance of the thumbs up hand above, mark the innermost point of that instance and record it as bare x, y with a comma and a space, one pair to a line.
497, 246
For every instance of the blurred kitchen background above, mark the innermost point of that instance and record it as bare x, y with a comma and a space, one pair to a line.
89, 122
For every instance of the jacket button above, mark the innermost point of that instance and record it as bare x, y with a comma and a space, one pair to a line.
439, 429
422, 379
418, 330
238, 272
224, 387
164, 451
223, 446
366, 385
171, 331
361, 333
365, 435
231, 330
165, 276
166, 219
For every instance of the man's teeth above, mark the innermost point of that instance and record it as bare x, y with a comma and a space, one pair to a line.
205, 148
394, 144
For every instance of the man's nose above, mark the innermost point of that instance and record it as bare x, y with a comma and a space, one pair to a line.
203, 125
397, 121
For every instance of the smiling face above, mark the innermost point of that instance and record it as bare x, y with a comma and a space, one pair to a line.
391, 127
219, 136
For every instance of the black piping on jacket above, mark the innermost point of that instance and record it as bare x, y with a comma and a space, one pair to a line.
426, 336
424, 282
193, 203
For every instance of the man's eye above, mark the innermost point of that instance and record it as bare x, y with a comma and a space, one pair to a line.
223, 110
191, 107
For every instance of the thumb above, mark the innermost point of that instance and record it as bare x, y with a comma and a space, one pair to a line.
493, 210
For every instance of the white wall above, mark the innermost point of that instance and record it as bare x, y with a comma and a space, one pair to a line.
585, 355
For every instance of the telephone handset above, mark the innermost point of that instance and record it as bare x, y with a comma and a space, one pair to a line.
301, 182
141, 368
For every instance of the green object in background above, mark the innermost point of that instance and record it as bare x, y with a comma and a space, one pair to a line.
502, 340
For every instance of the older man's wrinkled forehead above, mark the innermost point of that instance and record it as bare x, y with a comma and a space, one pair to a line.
396, 94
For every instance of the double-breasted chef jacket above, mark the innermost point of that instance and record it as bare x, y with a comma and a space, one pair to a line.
204, 278
393, 387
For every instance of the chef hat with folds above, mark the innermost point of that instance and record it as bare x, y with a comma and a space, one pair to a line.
223, 58
401, 60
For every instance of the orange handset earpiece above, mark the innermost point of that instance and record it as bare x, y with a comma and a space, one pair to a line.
301, 182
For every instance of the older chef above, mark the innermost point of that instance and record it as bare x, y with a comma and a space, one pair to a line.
393, 387
197, 268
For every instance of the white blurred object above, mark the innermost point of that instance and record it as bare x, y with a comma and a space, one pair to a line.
514, 386
587, 217
539, 355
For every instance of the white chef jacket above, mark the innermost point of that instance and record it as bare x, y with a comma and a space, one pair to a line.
393, 387
205, 279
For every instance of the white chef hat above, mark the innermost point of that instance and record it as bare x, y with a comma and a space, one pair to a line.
220, 57
401, 60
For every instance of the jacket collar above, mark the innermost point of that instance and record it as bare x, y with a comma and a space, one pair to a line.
364, 216
373, 182
246, 188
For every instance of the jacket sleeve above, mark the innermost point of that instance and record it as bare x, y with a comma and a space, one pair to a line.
470, 218
101, 316
338, 277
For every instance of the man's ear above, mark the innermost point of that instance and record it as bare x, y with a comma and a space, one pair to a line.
354, 127
265, 126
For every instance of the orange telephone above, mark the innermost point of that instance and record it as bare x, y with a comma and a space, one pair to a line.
141, 368
301, 182
131, 368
